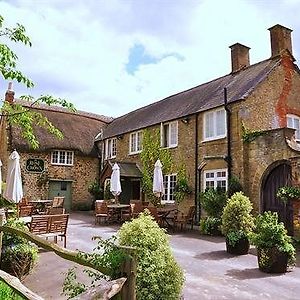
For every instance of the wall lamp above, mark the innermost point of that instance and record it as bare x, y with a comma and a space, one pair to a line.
185, 120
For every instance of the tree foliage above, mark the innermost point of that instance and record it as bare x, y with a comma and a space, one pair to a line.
16, 114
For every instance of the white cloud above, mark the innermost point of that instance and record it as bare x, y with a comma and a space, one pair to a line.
80, 48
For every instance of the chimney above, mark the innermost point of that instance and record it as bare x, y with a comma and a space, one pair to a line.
239, 57
10, 94
280, 39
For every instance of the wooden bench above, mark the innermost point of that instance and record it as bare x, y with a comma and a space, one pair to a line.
50, 226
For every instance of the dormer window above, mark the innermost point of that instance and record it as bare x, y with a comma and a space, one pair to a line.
110, 148
169, 134
293, 121
214, 124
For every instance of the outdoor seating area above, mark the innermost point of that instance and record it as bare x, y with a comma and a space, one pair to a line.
167, 216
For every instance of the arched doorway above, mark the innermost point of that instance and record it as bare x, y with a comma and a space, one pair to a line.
278, 176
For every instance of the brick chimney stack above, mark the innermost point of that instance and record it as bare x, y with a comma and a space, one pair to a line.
280, 39
10, 94
239, 57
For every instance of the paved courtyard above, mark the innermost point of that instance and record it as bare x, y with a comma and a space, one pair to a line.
210, 272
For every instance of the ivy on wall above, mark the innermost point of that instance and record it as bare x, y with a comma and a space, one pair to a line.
249, 136
150, 154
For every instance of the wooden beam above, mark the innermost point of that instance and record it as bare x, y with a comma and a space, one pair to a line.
18, 287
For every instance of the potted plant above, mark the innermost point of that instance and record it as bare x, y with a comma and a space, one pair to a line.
275, 251
237, 223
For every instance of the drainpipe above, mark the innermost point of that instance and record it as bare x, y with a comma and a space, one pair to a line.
197, 203
228, 122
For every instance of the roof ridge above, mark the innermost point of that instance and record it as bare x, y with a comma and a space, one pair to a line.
64, 110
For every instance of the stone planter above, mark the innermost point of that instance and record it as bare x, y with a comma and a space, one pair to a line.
241, 247
272, 260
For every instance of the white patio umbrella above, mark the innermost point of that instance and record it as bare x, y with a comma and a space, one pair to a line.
158, 180
13, 191
0, 177
115, 181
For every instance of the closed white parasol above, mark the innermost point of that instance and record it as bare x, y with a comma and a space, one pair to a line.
158, 180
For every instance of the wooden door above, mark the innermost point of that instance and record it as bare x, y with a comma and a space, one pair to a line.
278, 177
62, 189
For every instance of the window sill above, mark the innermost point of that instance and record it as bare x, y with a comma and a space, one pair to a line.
134, 153
214, 139
170, 147
62, 165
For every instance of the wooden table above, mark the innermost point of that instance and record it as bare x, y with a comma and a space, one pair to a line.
164, 215
117, 209
40, 205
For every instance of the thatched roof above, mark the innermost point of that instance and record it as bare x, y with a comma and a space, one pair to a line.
79, 130
200, 98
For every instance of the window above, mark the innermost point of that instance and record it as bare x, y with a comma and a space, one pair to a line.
294, 122
169, 184
59, 157
135, 142
169, 134
215, 178
111, 148
215, 124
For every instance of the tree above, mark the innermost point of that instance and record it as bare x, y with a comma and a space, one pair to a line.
16, 114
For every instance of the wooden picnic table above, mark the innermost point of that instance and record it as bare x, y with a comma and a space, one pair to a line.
40, 205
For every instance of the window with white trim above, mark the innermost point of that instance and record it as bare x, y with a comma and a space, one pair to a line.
214, 124
215, 178
169, 134
294, 122
135, 142
62, 157
169, 185
111, 148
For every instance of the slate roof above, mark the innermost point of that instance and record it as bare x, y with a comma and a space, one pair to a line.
79, 130
200, 98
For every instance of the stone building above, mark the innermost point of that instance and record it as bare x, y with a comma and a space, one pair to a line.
58, 167
244, 124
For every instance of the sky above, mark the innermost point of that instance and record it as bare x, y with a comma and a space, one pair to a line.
113, 56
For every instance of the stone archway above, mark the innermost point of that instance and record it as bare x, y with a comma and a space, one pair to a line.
277, 175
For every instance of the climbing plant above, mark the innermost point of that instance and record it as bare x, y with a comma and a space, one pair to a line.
249, 135
182, 187
150, 154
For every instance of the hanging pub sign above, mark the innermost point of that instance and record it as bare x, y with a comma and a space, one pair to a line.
35, 165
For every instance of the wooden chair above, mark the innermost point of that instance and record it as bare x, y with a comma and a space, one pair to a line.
58, 202
55, 211
25, 210
137, 208
102, 211
39, 225
58, 227
127, 214
183, 219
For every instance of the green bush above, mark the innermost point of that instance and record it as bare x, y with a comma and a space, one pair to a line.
234, 186
95, 189
213, 202
6, 292
270, 233
159, 277
237, 221
210, 226
18, 255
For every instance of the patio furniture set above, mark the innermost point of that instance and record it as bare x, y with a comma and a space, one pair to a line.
45, 218
167, 216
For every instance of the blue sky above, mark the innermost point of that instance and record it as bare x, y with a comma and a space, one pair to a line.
111, 57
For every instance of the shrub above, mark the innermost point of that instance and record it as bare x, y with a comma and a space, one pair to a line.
95, 189
237, 221
234, 186
159, 277
18, 255
211, 226
6, 292
213, 202
270, 233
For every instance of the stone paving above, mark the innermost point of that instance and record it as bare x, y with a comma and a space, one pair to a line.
210, 272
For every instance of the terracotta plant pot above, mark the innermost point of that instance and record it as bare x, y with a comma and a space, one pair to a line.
241, 247
272, 260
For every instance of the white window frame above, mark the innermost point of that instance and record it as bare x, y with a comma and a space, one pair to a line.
62, 158
169, 185
111, 148
214, 115
215, 179
291, 121
172, 138
135, 142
